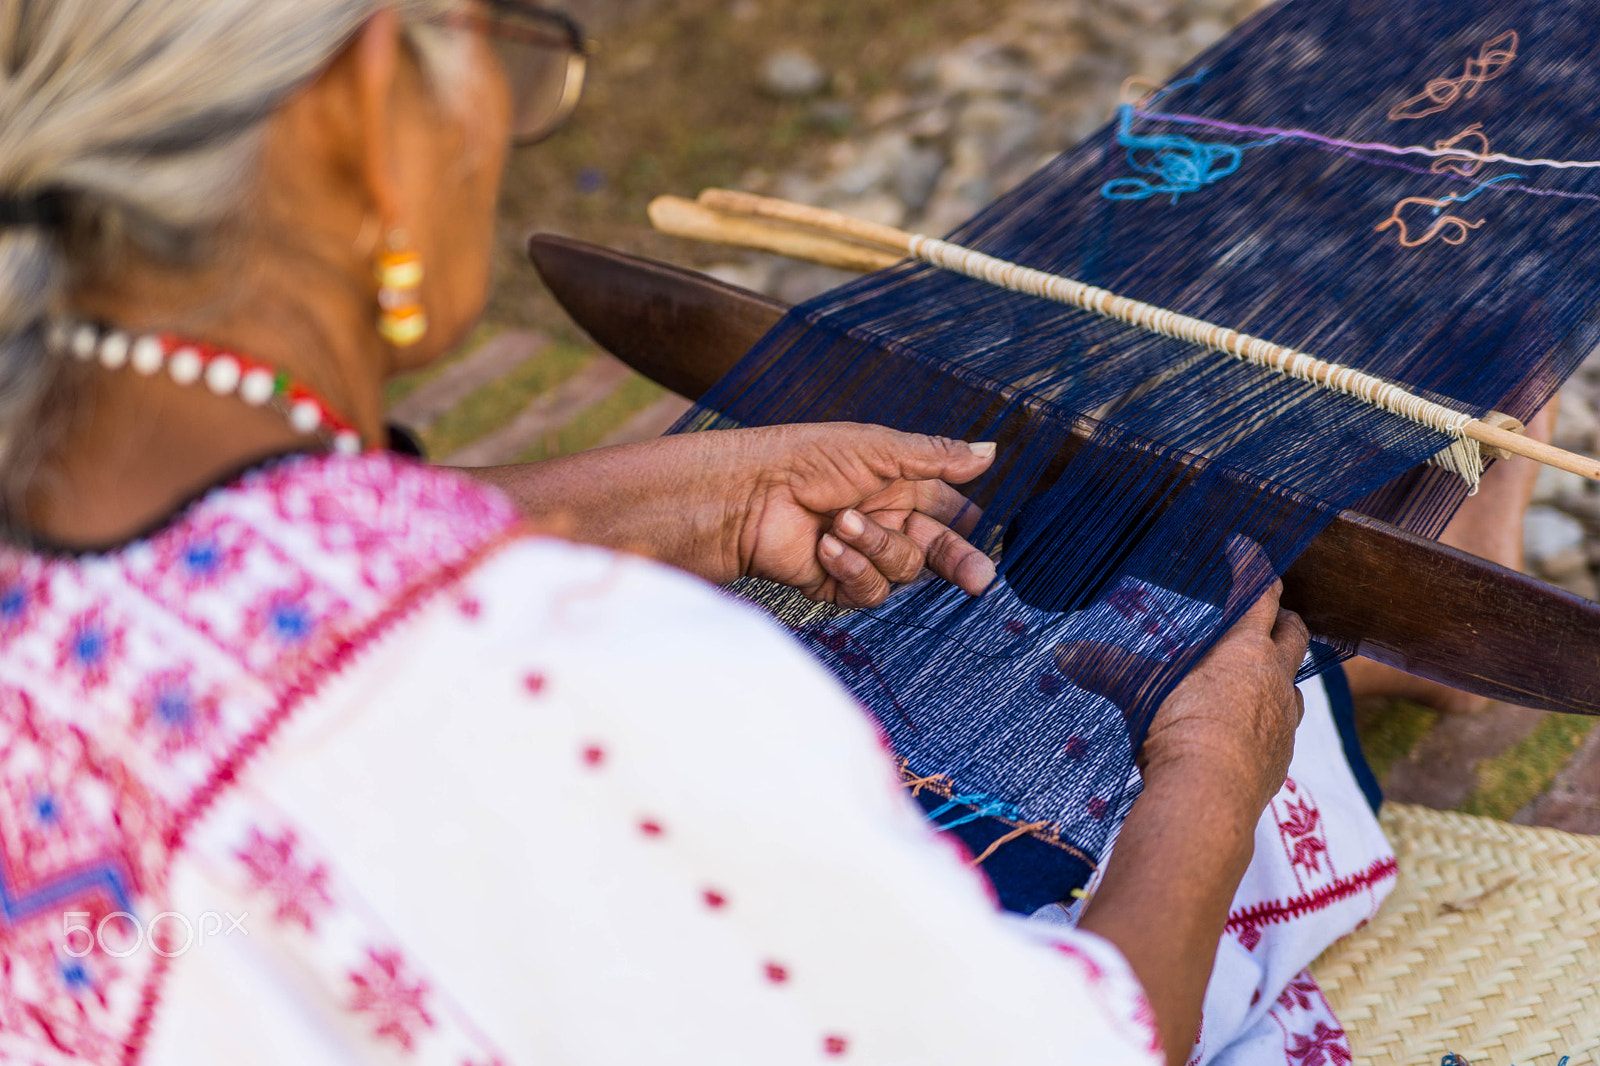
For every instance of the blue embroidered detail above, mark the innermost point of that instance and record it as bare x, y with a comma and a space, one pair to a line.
45, 808
107, 875
1180, 164
75, 975
1453, 198
13, 602
203, 558
173, 706
291, 622
89, 646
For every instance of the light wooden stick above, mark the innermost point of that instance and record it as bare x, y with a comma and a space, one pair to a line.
684, 218
898, 244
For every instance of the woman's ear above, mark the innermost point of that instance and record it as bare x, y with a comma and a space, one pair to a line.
344, 125
376, 55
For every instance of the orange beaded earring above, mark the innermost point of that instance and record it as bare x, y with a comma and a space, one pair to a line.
401, 319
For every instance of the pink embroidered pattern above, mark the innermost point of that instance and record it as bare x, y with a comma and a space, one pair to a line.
1285, 910
1132, 602
1312, 1036
1304, 837
134, 687
395, 999
298, 887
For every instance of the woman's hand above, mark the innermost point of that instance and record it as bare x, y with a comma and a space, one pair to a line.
1235, 714
841, 511
1214, 756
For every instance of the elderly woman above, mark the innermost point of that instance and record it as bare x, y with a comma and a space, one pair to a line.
312, 754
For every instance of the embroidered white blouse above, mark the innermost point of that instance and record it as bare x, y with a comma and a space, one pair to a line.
343, 766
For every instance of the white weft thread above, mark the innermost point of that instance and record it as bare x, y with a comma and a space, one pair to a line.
1462, 457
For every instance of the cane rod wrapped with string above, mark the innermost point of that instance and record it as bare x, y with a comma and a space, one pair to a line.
820, 235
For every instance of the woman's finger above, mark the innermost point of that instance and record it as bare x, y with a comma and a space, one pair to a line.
918, 457
944, 504
949, 555
894, 555
1249, 563
859, 583
1291, 637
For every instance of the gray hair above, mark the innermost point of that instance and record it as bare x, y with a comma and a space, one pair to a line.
141, 119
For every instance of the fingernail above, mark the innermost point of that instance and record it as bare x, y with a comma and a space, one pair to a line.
850, 524
983, 450
830, 547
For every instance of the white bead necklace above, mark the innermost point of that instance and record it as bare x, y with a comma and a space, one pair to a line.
224, 372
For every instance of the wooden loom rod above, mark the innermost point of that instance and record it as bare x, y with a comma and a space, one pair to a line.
851, 233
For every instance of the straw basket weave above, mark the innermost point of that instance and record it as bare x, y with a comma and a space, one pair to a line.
1489, 947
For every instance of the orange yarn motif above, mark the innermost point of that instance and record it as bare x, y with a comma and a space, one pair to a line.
1440, 224
1467, 164
1440, 94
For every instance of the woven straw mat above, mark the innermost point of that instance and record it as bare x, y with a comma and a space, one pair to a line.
1489, 947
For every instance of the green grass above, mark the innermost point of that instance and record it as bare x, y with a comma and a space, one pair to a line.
1390, 729
1508, 782
498, 402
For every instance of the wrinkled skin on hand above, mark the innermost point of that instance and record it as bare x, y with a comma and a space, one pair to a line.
843, 512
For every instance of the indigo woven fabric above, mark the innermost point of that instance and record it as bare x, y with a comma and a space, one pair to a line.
1406, 189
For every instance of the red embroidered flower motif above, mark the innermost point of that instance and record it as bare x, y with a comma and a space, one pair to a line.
1128, 601
394, 998
299, 889
89, 648
1132, 603
1302, 818
1299, 993
1249, 936
1324, 1045
1301, 823
1308, 853
835, 1045
168, 709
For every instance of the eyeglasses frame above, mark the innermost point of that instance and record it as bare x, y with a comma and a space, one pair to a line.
566, 33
